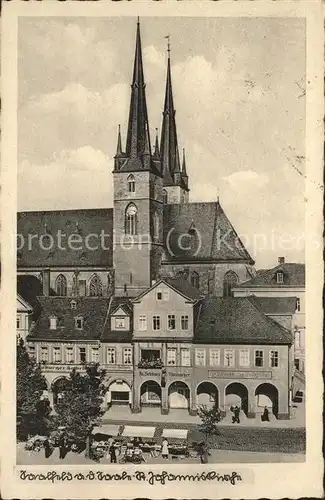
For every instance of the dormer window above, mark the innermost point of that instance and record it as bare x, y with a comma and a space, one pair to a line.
53, 322
73, 304
131, 184
279, 277
79, 323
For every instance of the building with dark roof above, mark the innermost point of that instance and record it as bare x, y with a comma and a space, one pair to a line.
145, 288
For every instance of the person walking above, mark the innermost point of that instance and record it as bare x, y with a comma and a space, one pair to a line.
62, 447
265, 415
164, 449
236, 415
112, 453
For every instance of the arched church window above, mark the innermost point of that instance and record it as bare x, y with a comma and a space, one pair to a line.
131, 183
195, 279
165, 197
229, 281
61, 285
131, 220
95, 287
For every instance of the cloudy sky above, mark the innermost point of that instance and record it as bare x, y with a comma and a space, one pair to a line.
240, 109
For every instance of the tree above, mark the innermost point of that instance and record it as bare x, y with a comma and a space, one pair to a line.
79, 407
210, 417
33, 411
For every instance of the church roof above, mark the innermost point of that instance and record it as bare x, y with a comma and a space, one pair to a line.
58, 226
237, 321
293, 275
93, 310
201, 231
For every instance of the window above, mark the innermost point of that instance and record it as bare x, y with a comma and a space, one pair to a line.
78, 323
185, 357
184, 322
297, 305
131, 184
119, 323
69, 354
53, 322
18, 322
156, 225
195, 279
279, 278
95, 286
297, 339
165, 197
82, 355
131, 220
159, 295
214, 357
200, 357
56, 354
61, 285
127, 356
95, 354
243, 357
274, 359
229, 357
156, 322
31, 351
259, 358
171, 357
73, 304
165, 294
171, 321
230, 279
111, 356
142, 322
44, 355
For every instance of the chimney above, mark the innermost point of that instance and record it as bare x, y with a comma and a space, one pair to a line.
46, 282
281, 260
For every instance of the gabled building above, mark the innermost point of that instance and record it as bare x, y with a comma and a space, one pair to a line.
281, 290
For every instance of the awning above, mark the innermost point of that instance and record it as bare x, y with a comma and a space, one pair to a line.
109, 430
119, 387
137, 431
175, 433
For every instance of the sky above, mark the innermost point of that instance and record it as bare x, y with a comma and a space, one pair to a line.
240, 110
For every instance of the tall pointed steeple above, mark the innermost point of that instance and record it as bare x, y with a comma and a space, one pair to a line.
119, 142
138, 115
184, 172
156, 152
168, 144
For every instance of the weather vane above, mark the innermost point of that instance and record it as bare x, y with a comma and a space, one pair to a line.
168, 43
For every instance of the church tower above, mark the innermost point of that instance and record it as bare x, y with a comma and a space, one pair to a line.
138, 195
175, 179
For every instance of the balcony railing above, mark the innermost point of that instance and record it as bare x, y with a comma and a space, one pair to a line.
152, 363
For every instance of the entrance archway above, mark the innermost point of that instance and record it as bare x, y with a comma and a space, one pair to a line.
118, 393
59, 387
267, 395
178, 395
236, 394
207, 395
150, 393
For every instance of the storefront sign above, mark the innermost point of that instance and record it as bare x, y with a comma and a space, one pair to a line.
149, 373
179, 374
239, 375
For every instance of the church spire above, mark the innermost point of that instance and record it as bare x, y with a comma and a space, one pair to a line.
168, 144
184, 173
119, 142
138, 116
156, 150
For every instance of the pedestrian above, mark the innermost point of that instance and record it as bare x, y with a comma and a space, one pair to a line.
47, 448
164, 449
233, 416
236, 414
112, 453
62, 448
265, 416
204, 453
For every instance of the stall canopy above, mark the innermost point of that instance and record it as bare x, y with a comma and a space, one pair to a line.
175, 433
137, 431
109, 430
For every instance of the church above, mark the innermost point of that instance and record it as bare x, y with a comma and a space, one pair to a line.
145, 288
